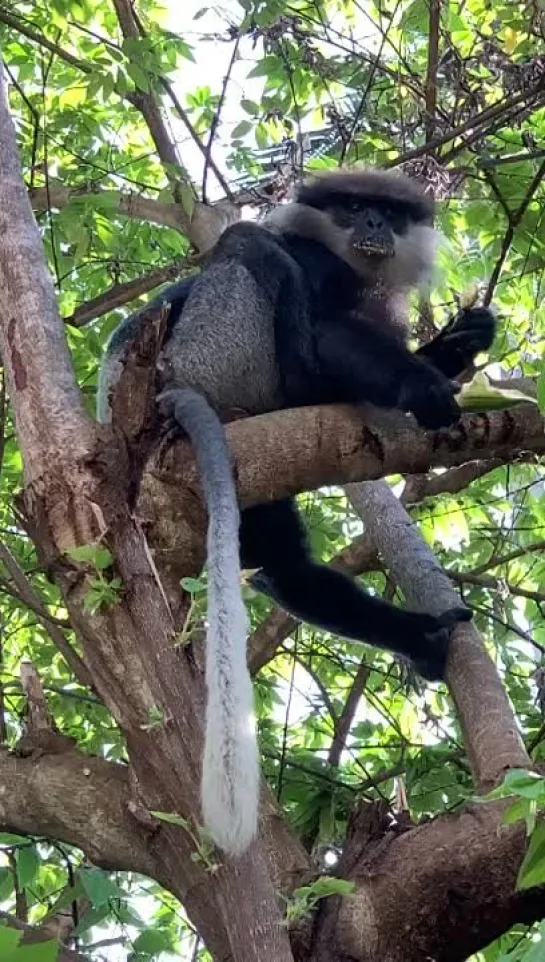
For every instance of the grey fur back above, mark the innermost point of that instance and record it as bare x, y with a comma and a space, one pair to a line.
223, 345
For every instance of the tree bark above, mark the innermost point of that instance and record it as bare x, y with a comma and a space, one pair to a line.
491, 734
318, 446
77, 481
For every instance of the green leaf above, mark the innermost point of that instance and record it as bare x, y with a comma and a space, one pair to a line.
192, 585
265, 67
187, 196
153, 941
331, 886
250, 107
242, 129
28, 864
416, 17
9, 939
96, 555
102, 594
95, 917
6, 838
6, 883
532, 870
517, 812
138, 76
99, 887
171, 818
41, 952
480, 395
524, 783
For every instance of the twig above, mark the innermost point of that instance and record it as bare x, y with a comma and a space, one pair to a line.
16, 24
514, 221
486, 116
33, 600
433, 62
216, 119
121, 294
345, 720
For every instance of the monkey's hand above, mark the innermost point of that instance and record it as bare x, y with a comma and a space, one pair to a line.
429, 395
430, 653
469, 332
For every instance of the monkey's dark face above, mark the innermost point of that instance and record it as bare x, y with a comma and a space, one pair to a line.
383, 241
370, 228
377, 221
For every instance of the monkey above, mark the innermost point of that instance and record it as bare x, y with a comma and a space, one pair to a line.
310, 306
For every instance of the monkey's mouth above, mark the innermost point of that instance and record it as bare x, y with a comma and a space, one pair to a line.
374, 250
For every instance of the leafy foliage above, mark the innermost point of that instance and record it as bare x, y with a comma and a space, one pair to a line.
107, 199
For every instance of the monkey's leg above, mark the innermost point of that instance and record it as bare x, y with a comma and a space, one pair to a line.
456, 346
273, 539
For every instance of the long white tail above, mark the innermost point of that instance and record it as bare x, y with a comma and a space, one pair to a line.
230, 780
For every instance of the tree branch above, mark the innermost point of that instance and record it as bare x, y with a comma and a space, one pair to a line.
491, 735
30, 597
287, 452
431, 73
38, 368
131, 205
455, 876
512, 224
76, 799
121, 294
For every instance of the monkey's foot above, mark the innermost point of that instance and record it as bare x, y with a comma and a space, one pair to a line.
430, 653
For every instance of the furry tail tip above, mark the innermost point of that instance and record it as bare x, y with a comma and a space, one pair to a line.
230, 785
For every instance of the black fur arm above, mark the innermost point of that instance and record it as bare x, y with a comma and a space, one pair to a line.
364, 364
456, 346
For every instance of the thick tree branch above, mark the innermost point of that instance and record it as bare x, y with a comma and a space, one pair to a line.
287, 452
491, 735
78, 476
206, 224
451, 884
132, 205
38, 368
80, 800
